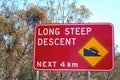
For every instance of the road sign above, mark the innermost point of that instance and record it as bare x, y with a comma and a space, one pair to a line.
74, 47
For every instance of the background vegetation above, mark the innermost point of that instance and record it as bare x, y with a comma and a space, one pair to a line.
17, 21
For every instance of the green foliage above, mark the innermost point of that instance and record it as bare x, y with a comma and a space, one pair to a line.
4, 25
34, 15
82, 78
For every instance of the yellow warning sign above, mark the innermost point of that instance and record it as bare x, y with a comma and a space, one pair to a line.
93, 52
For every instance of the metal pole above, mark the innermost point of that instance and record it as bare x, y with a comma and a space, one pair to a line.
88, 75
37, 75
37, 72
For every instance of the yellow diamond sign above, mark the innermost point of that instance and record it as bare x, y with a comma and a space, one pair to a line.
93, 51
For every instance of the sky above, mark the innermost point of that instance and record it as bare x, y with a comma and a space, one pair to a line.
105, 11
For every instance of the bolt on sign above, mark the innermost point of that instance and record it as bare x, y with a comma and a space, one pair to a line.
74, 47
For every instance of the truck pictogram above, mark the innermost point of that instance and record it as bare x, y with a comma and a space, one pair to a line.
91, 52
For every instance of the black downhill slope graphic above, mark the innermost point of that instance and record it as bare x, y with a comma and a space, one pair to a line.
91, 52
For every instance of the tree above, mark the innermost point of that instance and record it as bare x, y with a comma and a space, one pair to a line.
16, 39
65, 11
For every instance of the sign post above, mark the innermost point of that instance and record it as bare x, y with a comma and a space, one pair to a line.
74, 47
88, 75
37, 75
